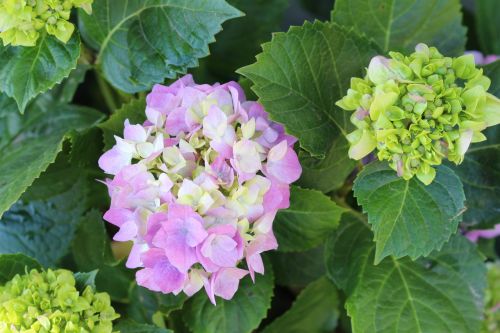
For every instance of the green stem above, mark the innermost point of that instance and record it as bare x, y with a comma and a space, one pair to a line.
107, 92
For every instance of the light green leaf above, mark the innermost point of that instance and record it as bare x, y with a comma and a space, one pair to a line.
441, 293
130, 326
302, 73
398, 25
297, 269
316, 309
145, 41
91, 246
25, 72
13, 264
488, 25
242, 314
134, 111
312, 216
27, 153
409, 218
330, 173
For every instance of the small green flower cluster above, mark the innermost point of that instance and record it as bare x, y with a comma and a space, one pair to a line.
22, 21
418, 109
48, 302
491, 321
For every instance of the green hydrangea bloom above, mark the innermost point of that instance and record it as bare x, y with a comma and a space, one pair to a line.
491, 321
418, 109
48, 302
22, 21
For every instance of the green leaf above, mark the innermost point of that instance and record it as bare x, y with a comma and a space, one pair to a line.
262, 17
441, 293
13, 264
26, 72
302, 73
297, 269
242, 314
116, 280
493, 72
409, 218
26, 154
43, 229
84, 279
145, 304
312, 216
134, 111
130, 326
91, 246
488, 25
316, 309
398, 25
146, 41
330, 173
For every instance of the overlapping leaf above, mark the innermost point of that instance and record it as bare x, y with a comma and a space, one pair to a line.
398, 25
302, 73
142, 42
12, 264
409, 218
441, 293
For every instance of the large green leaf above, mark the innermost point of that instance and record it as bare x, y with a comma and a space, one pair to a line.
302, 73
297, 269
142, 42
488, 25
27, 153
242, 314
398, 25
26, 72
441, 293
129, 326
312, 216
409, 218
330, 173
316, 309
13, 264
262, 17
493, 72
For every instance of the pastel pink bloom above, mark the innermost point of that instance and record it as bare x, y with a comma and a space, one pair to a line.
283, 164
224, 283
197, 186
179, 235
159, 274
481, 59
474, 235
222, 248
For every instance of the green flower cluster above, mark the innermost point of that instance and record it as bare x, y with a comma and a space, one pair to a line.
22, 21
418, 109
491, 321
49, 302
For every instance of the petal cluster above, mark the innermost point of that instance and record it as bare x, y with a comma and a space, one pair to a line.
48, 301
23, 21
197, 187
416, 110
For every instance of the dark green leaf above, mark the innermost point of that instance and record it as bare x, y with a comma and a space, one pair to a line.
91, 247
312, 216
116, 281
146, 41
316, 309
441, 293
242, 314
409, 218
130, 326
13, 264
493, 72
302, 73
488, 25
85, 279
133, 111
398, 25
26, 72
330, 173
297, 269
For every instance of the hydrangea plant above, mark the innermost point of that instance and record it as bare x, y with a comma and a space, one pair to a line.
197, 187
48, 301
206, 167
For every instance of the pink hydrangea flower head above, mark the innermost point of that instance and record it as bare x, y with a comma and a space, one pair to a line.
196, 187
